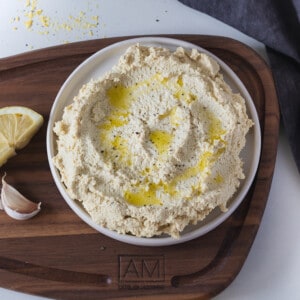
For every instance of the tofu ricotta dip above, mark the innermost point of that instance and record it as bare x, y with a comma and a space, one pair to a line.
153, 145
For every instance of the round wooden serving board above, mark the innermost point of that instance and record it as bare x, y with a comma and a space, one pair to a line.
56, 255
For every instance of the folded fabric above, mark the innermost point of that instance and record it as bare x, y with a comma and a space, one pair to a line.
276, 24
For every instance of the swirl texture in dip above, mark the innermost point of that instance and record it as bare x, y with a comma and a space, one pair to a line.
154, 144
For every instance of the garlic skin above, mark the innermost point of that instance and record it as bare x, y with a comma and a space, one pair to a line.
15, 204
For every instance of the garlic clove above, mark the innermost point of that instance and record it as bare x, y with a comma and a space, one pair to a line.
15, 204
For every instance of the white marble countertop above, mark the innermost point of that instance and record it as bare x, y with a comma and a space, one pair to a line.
271, 270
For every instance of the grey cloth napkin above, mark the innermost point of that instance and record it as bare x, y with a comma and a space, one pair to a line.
276, 23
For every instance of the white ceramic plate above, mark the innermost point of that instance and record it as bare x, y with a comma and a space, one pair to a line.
101, 62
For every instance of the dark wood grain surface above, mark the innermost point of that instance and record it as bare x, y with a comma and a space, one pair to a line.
56, 255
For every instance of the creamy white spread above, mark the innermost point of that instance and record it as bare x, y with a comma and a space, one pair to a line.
154, 144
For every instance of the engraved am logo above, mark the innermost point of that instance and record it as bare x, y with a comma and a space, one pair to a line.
139, 270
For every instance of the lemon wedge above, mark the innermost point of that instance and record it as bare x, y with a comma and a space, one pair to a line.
18, 125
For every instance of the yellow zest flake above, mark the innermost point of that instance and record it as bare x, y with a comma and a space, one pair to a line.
42, 32
33, 5
143, 196
66, 27
161, 139
29, 15
28, 24
45, 21
27, 4
88, 25
95, 18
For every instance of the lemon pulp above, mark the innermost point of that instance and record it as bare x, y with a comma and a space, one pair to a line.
18, 125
